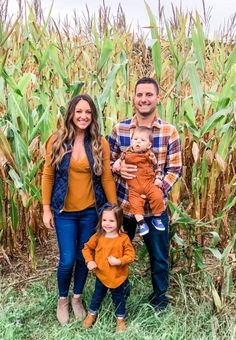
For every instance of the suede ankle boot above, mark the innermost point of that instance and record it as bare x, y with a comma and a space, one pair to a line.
89, 321
78, 308
62, 311
120, 325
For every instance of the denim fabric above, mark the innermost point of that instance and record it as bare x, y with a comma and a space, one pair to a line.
73, 230
130, 225
118, 298
157, 243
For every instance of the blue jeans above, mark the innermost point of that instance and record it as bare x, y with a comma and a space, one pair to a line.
118, 298
73, 230
157, 243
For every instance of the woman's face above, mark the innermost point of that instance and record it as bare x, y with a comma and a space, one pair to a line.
82, 117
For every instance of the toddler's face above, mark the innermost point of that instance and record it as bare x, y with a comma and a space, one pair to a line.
109, 223
140, 142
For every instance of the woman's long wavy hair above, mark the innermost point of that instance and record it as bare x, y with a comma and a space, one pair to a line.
66, 135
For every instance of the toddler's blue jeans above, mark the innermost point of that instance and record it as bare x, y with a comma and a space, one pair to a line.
118, 298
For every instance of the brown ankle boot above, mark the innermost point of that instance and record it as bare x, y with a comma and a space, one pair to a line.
120, 325
89, 320
62, 311
78, 308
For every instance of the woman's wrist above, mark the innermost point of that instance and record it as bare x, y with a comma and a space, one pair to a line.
46, 208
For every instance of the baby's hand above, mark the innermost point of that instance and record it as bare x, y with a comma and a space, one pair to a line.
158, 183
113, 261
91, 265
152, 157
116, 166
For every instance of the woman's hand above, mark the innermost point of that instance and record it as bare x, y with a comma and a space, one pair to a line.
48, 219
127, 171
113, 261
91, 265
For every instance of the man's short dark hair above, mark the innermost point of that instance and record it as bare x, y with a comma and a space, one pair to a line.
147, 80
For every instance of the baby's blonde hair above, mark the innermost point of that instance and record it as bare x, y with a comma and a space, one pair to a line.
143, 129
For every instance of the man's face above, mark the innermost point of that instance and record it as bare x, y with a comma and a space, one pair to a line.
146, 99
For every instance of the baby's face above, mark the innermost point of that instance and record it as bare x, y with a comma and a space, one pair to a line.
140, 142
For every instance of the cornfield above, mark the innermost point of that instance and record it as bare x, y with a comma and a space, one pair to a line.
43, 63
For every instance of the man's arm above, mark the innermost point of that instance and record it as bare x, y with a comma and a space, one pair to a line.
126, 170
114, 145
173, 166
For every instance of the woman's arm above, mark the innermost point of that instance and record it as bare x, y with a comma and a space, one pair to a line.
108, 182
47, 185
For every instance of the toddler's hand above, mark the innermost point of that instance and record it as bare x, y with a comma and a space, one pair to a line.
113, 261
91, 265
158, 182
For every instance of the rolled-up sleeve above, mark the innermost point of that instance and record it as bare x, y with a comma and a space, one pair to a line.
173, 166
114, 145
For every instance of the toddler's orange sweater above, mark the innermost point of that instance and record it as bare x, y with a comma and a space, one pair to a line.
99, 248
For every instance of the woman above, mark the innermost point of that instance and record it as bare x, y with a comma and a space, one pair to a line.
76, 183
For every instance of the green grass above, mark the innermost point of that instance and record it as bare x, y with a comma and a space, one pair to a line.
29, 313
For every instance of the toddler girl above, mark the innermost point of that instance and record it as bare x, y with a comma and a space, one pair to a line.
109, 252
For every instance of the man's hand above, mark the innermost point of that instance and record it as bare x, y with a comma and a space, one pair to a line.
127, 171
91, 265
48, 219
113, 261
116, 166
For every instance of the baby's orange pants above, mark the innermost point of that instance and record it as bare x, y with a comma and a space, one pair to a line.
143, 184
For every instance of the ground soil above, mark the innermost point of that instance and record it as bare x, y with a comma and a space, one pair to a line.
17, 270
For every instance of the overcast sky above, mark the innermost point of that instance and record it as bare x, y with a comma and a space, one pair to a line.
135, 11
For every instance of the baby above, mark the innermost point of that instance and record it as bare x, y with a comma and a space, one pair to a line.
145, 185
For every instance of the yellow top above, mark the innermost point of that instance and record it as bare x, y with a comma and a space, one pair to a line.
80, 192
99, 248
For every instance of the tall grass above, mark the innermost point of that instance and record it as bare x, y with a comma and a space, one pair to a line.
44, 63
29, 313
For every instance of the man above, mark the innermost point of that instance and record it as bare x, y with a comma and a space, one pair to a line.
166, 147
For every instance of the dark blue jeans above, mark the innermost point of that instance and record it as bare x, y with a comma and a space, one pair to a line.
73, 230
157, 243
118, 298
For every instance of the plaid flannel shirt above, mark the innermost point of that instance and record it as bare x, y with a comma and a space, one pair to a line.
166, 147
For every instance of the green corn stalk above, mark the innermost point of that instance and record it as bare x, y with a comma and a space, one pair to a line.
156, 45
44, 64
